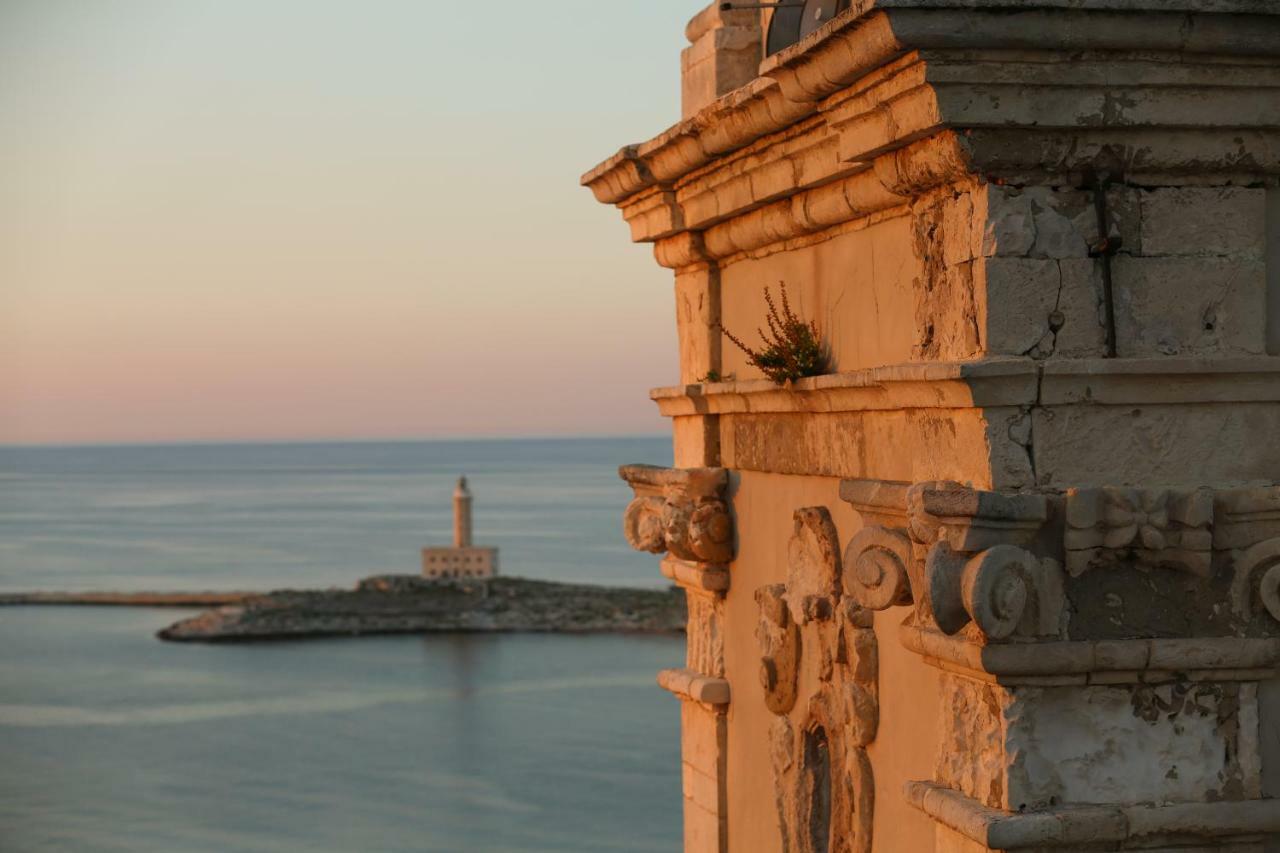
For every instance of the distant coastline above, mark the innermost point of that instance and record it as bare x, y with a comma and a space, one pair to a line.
410, 604
126, 599
399, 604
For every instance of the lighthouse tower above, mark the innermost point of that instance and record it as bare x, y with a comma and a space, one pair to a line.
462, 514
463, 560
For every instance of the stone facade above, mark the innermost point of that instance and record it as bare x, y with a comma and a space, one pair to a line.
1007, 578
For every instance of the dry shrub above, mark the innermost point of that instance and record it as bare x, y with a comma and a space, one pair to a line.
792, 347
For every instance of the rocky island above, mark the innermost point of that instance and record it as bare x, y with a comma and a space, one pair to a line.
409, 604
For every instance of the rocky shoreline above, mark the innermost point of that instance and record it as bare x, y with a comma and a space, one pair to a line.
125, 599
409, 604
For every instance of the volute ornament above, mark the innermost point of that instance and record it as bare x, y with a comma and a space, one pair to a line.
642, 525
1257, 580
875, 571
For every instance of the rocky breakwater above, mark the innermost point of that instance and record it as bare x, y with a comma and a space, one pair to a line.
408, 604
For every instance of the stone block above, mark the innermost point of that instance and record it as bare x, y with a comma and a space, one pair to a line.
1189, 306
697, 441
972, 757
1166, 444
958, 244
697, 313
1021, 296
703, 733
704, 831
1204, 221
1083, 330
705, 791
1007, 229
1060, 230
724, 54
1123, 743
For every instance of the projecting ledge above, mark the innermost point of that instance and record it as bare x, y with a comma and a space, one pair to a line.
1095, 824
694, 686
989, 383
916, 385
1127, 381
1097, 661
700, 577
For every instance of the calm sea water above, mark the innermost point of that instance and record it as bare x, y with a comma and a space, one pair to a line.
111, 740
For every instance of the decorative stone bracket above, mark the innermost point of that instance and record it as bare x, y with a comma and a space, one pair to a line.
681, 511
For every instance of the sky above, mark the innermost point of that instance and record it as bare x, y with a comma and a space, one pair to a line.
311, 219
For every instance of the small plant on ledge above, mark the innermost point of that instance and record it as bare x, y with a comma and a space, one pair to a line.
792, 348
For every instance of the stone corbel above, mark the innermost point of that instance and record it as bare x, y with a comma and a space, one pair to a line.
683, 512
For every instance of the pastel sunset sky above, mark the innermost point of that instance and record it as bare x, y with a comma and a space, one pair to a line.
316, 219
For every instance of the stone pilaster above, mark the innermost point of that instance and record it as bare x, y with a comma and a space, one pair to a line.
683, 513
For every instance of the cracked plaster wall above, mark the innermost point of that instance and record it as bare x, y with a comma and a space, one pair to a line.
1032, 748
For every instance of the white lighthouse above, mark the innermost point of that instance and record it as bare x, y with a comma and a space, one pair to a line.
463, 560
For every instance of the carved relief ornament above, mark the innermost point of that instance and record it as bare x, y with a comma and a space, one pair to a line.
1147, 527
965, 556
824, 721
960, 555
681, 511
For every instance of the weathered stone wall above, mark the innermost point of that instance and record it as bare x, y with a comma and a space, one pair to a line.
1269, 701
1039, 487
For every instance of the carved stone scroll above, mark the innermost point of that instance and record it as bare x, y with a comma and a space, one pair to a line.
960, 554
1004, 590
1247, 523
1256, 583
876, 568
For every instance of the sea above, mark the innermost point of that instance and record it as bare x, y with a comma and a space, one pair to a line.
111, 740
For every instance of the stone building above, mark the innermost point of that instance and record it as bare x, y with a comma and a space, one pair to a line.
463, 560
1007, 577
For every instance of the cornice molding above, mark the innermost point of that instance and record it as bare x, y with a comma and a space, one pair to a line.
1074, 826
989, 383
992, 93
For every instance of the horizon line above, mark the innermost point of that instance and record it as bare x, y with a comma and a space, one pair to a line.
239, 442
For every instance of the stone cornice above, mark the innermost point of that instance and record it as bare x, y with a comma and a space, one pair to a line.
990, 383
1097, 662
1123, 381
996, 382
1090, 825
865, 112
866, 37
